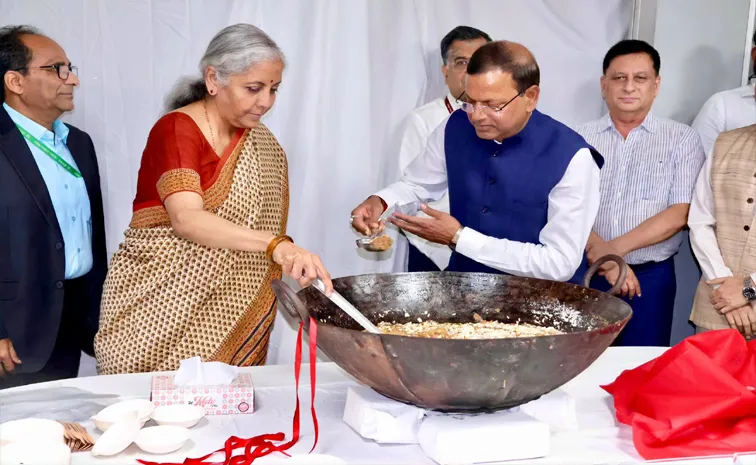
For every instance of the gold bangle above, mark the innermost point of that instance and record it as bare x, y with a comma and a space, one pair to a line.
275, 243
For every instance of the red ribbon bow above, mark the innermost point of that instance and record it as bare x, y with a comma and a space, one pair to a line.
264, 444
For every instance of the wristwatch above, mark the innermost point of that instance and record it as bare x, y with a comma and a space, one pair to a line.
749, 291
453, 243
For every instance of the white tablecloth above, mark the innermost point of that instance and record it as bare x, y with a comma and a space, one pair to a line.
599, 441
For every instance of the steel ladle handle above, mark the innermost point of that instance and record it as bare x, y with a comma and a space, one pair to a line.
290, 301
607, 258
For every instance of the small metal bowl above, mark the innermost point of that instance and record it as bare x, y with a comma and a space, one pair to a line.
409, 209
366, 243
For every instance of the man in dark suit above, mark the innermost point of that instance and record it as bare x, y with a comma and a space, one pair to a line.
52, 235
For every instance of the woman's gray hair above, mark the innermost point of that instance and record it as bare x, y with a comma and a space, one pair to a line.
232, 51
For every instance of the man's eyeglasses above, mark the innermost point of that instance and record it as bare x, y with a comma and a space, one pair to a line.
63, 70
468, 107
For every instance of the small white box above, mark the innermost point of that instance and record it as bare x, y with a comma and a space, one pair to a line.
481, 438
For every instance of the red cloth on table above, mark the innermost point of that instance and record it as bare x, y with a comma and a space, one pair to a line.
696, 399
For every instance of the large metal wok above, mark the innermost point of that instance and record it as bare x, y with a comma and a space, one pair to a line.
463, 375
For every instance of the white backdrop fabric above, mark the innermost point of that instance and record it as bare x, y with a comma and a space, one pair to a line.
355, 69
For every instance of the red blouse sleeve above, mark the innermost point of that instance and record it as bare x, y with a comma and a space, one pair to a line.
171, 160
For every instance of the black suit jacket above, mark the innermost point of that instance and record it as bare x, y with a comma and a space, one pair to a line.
32, 255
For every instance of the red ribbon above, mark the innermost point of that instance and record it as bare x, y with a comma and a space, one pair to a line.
262, 445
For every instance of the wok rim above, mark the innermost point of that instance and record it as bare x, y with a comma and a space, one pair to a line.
622, 322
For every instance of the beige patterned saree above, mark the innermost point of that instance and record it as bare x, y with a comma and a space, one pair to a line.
167, 299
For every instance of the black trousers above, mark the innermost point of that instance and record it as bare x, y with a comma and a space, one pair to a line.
66, 355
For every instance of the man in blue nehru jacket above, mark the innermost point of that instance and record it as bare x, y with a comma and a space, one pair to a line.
523, 187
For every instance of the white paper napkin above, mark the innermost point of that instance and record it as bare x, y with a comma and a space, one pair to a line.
195, 372
556, 408
381, 419
387, 421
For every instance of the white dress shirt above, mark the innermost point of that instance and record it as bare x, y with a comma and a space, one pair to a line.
703, 225
725, 111
418, 127
654, 168
572, 207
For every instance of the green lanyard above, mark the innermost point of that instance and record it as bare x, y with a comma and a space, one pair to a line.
49, 152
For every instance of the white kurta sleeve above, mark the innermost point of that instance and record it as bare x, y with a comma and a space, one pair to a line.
702, 224
425, 178
710, 121
414, 139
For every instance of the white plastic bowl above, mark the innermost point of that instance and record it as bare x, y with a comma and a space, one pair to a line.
41, 453
113, 413
31, 429
162, 439
185, 416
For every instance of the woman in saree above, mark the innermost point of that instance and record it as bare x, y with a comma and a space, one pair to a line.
193, 275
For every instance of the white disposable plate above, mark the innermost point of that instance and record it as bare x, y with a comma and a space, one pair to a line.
41, 453
162, 439
118, 436
185, 416
115, 412
31, 429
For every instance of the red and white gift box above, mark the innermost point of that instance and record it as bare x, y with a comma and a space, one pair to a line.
233, 399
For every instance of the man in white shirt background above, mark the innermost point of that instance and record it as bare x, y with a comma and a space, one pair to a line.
523, 187
727, 110
721, 223
456, 49
646, 187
